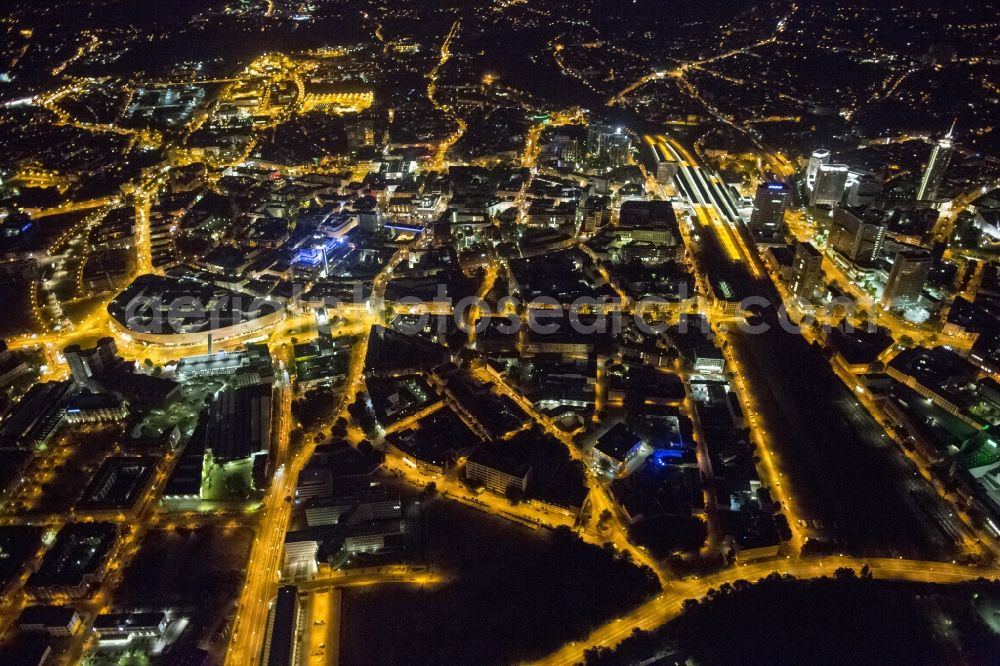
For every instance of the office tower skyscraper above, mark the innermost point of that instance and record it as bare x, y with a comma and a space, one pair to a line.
831, 180
816, 160
856, 239
808, 270
769, 206
907, 278
936, 167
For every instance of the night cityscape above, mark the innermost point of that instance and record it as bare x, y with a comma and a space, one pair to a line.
489, 332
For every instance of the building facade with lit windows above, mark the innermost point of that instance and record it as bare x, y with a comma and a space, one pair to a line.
936, 167
498, 474
907, 279
807, 270
767, 221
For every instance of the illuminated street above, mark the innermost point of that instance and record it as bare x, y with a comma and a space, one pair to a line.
335, 331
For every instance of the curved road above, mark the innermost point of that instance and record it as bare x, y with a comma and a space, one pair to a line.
669, 605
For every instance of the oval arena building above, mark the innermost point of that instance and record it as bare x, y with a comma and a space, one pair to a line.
178, 311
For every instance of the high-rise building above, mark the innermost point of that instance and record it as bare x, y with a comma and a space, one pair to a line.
863, 187
831, 180
593, 212
856, 239
595, 139
936, 167
85, 364
360, 133
816, 160
808, 270
907, 278
616, 148
769, 206
565, 147
607, 144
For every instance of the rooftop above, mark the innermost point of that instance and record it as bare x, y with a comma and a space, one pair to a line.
80, 549
617, 442
119, 483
